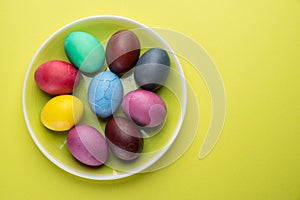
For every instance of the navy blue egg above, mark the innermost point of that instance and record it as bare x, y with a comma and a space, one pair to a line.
105, 94
152, 69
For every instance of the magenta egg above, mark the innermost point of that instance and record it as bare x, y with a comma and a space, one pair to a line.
56, 77
87, 145
144, 107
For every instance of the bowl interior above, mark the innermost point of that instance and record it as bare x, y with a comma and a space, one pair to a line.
53, 144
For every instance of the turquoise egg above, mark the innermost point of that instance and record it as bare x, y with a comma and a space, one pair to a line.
84, 51
105, 94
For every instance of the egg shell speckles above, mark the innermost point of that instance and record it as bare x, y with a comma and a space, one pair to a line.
56, 77
84, 51
105, 94
144, 107
87, 145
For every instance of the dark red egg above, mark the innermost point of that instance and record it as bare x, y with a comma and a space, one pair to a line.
124, 139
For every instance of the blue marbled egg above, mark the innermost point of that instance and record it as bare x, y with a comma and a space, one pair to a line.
105, 94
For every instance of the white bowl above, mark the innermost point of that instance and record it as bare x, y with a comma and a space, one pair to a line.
53, 144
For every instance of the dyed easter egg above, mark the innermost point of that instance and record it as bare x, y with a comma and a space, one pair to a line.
62, 112
124, 139
144, 107
152, 69
105, 94
87, 145
84, 51
122, 51
56, 77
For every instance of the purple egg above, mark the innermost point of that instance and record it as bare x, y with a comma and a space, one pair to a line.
145, 108
87, 145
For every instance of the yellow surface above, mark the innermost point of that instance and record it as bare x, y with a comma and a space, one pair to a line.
256, 46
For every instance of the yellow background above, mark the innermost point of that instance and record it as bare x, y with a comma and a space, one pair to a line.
256, 47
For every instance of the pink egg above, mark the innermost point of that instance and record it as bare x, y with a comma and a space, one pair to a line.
145, 108
87, 145
56, 77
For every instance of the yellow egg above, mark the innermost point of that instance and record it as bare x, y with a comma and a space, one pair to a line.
62, 112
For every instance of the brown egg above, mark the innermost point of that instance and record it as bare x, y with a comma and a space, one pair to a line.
122, 51
123, 138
